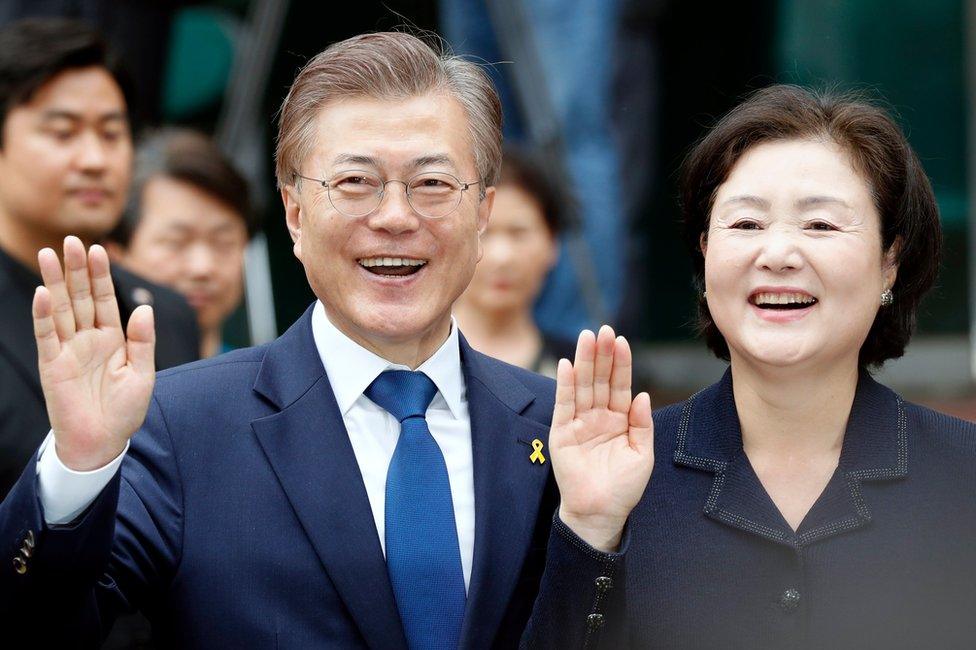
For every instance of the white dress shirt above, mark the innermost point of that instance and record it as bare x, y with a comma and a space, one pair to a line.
373, 432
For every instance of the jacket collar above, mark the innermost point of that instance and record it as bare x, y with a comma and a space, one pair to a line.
875, 448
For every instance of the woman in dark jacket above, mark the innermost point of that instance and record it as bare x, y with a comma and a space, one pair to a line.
796, 503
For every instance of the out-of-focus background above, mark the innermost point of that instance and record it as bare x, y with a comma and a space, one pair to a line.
611, 93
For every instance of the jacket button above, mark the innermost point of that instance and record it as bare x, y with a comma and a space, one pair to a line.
20, 566
604, 584
594, 621
790, 600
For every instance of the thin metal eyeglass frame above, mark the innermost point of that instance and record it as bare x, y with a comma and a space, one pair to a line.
463, 186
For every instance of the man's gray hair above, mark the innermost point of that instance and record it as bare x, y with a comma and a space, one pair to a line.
387, 65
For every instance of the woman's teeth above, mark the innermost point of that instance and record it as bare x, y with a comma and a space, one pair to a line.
783, 300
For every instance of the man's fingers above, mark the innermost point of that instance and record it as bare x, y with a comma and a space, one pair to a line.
140, 341
583, 370
48, 343
641, 432
64, 316
602, 367
79, 282
103, 291
621, 377
565, 408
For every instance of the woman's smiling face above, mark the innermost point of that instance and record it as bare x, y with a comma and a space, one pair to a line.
794, 266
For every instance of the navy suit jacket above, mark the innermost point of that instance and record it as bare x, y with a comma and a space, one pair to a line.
241, 519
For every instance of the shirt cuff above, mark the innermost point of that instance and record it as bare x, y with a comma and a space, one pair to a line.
65, 493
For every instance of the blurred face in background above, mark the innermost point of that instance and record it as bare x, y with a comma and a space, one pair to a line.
192, 241
519, 251
66, 158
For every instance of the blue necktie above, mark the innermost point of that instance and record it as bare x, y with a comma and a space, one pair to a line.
422, 553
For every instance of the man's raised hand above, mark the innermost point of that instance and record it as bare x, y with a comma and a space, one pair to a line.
601, 441
97, 380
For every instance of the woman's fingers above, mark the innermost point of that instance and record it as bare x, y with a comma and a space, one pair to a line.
103, 291
78, 282
621, 376
641, 429
565, 409
48, 343
602, 367
583, 370
64, 317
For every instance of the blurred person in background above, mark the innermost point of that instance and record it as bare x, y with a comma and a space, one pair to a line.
65, 167
797, 502
187, 226
520, 248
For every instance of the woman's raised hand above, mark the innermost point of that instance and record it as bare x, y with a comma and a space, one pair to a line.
97, 380
601, 441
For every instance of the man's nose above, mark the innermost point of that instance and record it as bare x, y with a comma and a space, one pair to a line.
200, 259
395, 215
92, 152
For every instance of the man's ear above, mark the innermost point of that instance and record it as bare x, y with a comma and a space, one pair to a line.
483, 216
293, 216
889, 264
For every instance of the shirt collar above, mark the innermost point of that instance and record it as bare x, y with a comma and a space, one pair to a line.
352, 368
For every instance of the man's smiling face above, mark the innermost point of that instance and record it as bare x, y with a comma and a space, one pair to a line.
378, 305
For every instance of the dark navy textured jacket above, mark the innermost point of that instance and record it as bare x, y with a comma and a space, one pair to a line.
240, 519
886, 558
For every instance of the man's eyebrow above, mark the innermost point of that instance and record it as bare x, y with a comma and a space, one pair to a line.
433, 159
747, 199
813, 201
62, 114
355, 159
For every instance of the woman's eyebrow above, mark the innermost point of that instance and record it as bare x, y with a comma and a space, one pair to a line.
814, 201
747, 199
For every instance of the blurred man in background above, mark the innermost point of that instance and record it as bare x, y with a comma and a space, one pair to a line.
187, 226
65, 166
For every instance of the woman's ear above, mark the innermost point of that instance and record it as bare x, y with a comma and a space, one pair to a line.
889, 264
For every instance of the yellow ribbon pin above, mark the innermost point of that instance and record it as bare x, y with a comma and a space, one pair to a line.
537, 456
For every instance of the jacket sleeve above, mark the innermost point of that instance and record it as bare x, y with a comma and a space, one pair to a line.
581, 597
71, 581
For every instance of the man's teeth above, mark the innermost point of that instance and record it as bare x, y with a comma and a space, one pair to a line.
391, 261
783, 299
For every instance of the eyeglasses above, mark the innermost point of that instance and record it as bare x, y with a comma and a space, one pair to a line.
357, 193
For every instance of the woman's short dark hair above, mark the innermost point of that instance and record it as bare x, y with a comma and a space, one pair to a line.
191, 157
35, 50
524, 169
878, 150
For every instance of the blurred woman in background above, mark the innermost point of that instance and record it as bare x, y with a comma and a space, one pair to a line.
521, 245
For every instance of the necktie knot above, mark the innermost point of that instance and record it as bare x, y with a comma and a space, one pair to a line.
403, 393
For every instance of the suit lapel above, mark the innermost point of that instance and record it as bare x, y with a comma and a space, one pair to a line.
508, 490
307, 446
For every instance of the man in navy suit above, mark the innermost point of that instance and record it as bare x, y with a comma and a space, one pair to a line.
265, 500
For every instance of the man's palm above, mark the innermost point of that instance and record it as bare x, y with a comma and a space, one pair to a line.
97, 384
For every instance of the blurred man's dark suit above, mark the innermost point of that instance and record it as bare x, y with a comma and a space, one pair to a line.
23, 416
